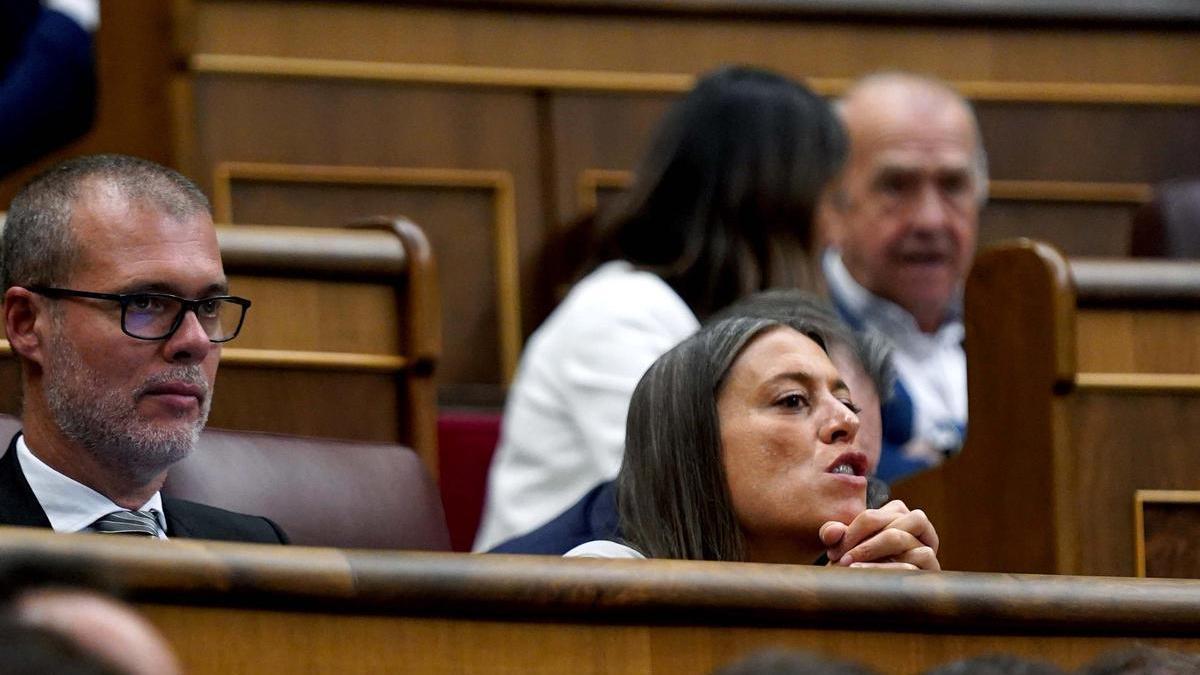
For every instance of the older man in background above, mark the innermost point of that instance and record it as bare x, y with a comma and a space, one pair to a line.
902, 221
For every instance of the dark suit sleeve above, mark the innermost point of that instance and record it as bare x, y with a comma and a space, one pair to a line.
189, 520
47, 88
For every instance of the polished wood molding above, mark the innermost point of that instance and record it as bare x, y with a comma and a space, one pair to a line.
440, 74
298, 359
590, 590
1069, 191
308, 360
1140, 499
334, 252
591, 181
1141, 283
1149, 383
500, 183
661, 83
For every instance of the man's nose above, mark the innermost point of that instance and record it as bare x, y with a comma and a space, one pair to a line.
931, 211
189, 343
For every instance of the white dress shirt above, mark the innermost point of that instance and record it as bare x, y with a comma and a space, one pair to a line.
932, 367
70, 505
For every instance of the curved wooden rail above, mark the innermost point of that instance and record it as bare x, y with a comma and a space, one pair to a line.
1136, 282
311, 251
595, 591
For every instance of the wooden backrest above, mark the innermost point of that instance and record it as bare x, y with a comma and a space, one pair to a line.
342, 339
1082, 390
292, 609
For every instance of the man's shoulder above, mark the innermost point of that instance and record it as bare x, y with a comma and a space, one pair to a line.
191, 520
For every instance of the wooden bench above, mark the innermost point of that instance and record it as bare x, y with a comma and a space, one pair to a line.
342, 339
1083, 389
277, 609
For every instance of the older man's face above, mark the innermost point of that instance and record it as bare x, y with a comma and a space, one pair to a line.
137, 404
910, 204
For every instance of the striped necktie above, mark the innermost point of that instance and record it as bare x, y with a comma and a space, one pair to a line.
138, 523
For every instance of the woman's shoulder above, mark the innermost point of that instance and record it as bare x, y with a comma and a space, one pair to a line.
602, 548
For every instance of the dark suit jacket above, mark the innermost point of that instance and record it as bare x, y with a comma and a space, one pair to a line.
592, 517
186, 520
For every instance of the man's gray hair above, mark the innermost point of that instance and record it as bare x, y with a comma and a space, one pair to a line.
38, 246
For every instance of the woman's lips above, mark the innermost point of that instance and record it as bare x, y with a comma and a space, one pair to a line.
849, 464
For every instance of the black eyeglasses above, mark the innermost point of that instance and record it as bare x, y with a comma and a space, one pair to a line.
156, 316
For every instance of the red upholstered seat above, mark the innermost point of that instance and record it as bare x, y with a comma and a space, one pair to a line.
466, 441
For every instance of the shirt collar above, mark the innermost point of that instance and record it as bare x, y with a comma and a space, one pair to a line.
867, 310
71, 506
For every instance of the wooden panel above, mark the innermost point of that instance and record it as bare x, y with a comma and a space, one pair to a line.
1138, 341
1122, 442
475, 352
1105, 143
486, 225
330, 316
267, 641
1167, 529
1086, 229
599, 131
308, 402
529, 39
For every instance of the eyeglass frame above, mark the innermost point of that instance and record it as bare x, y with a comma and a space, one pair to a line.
185, 306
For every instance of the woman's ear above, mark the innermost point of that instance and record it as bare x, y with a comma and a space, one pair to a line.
23, 315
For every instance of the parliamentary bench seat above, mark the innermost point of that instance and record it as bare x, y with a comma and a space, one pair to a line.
1084, 398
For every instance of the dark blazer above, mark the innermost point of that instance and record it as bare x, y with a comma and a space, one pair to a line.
592, 517
185, 520
47, 81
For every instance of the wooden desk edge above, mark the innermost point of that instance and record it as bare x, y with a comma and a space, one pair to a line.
613, 591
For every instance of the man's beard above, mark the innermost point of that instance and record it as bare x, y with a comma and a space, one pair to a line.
106, 421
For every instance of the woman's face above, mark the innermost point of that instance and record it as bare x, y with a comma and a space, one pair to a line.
869, 440
788, 431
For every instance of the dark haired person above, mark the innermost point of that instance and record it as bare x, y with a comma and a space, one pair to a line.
116, 305
742, 446
720, 207
863, 362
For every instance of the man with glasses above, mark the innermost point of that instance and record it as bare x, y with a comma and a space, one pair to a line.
902, 219
116, 305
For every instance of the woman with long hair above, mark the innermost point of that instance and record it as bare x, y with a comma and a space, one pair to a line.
742, 446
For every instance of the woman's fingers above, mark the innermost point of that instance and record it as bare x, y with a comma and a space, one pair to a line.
867, 524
